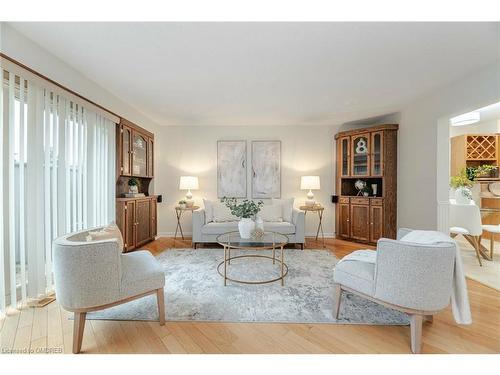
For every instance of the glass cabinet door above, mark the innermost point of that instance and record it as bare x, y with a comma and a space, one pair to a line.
139, 157
150, 157
360, 155
344, 155
126, 141
376, 154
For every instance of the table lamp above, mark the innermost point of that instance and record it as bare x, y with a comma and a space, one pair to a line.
310, 183
188, 183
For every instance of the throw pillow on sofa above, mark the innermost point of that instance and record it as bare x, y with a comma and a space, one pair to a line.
222, 213
209, 210
271, 213
286, 206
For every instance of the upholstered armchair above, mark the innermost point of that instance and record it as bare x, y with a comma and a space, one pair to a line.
95, 275
413, 278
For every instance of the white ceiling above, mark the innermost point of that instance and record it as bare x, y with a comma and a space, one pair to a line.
268, 73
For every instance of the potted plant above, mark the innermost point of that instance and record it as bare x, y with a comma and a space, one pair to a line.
486, 171
133, 185
462, 185
182, 203
245, 211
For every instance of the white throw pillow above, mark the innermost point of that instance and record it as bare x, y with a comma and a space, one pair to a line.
287, 208
271, 212
209, 210
109, 232
222, 213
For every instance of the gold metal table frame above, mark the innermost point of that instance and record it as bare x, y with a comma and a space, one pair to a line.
265, 246
178, 214
320, 210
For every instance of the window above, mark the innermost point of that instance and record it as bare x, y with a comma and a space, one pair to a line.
57, 159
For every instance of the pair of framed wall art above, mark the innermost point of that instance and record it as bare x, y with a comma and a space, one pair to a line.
265, 169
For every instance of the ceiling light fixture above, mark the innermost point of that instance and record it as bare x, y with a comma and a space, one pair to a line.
466, 119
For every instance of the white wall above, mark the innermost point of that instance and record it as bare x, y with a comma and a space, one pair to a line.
192, 150
418, 156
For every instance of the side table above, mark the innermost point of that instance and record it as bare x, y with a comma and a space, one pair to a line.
178, 213
319, 209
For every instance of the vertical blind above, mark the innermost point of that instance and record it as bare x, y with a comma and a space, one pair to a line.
57, 163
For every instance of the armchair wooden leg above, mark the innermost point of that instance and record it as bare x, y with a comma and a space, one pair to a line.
78, 327
416, 333
161, 305
336, 300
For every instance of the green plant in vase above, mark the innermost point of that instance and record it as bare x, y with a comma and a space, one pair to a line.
133, 185
462, 185
245, 211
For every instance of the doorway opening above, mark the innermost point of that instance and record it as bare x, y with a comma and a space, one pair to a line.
473, 164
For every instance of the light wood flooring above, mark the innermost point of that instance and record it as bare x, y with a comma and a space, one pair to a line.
49, 328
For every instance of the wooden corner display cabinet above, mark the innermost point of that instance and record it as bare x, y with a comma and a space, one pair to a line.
369, 155
136, 217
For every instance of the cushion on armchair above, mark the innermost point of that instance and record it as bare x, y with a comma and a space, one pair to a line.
355, 274
141, 272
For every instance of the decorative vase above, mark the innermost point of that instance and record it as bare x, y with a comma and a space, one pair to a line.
133, 189
463, 195
246, 226
374, 189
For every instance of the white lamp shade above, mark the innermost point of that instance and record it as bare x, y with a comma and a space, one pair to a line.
309, 183
188, 183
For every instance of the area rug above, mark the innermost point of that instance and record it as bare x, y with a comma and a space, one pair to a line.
194, 291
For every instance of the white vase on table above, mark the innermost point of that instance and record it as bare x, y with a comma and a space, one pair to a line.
463, 195
246, 227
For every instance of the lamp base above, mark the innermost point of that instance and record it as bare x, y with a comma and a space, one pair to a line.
310, 199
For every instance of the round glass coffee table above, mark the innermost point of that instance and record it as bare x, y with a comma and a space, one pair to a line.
268, 241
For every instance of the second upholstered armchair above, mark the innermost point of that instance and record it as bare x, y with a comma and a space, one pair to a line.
413, 278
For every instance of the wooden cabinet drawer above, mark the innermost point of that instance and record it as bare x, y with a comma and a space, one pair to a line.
364, 201
344, 200
376, 201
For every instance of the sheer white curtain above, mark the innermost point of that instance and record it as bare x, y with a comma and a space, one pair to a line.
57, 163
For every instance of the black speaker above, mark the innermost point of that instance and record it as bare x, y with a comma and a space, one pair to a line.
335, 198
159, 198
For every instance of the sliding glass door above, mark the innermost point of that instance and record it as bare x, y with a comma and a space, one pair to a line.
57, 162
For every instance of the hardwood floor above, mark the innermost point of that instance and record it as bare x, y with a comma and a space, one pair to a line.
48, 329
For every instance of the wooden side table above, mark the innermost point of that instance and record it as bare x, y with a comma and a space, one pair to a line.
319, 209
178, 213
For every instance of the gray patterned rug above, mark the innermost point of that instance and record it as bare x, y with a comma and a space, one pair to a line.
195, 291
